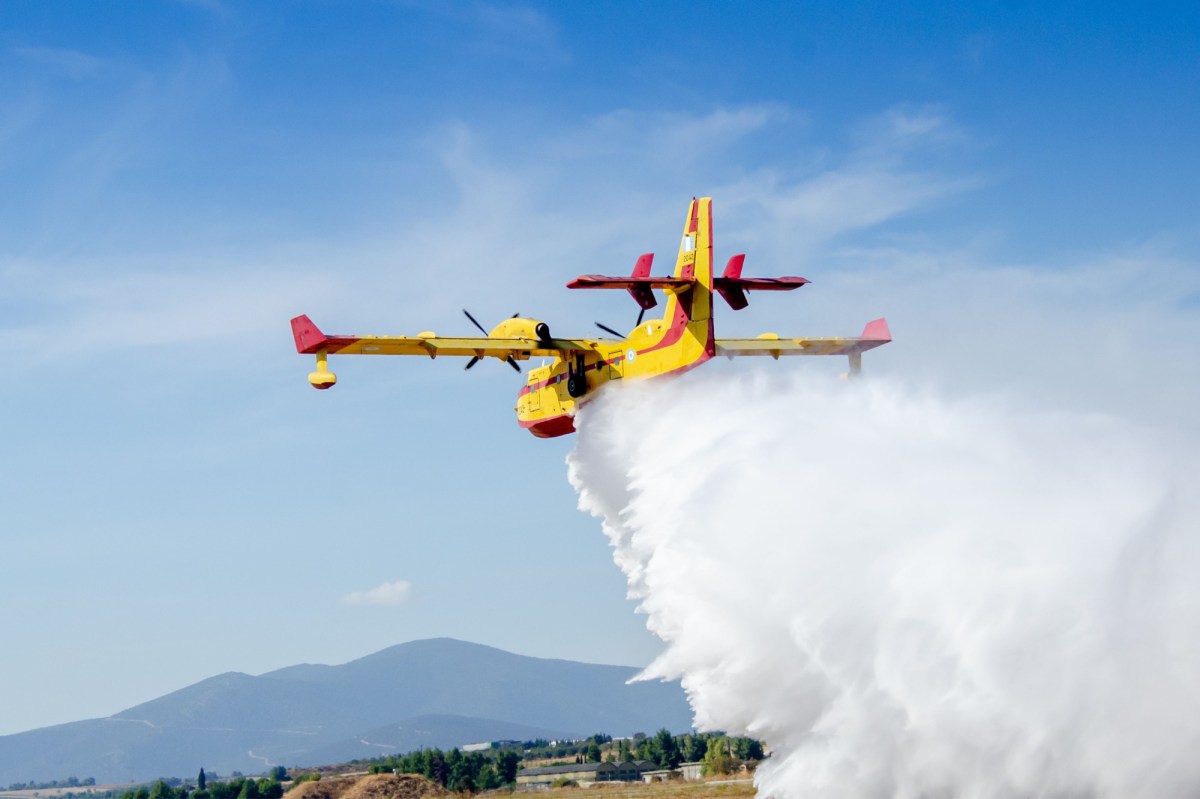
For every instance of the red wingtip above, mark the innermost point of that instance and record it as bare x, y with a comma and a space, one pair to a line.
643, 265
308, 336
877, 331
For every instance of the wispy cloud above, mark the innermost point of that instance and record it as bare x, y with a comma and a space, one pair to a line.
902, 128
518, 202
505, 30
1108, 331
676, 137
856, 197
893, 169
518, 29
71, 64
387, 594
78, 313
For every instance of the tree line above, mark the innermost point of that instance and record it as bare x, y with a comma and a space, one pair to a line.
69, 782
462, 772
714, 749
470, 772
237, 788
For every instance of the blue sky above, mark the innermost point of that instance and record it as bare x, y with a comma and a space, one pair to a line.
1013, 186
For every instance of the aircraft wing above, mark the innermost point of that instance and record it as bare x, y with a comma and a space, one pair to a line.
309, 339
875, 334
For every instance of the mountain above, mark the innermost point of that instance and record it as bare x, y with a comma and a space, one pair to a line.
439, 692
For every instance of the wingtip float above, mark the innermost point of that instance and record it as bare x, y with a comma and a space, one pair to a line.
681, 339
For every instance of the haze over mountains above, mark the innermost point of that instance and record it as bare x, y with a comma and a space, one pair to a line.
438, 692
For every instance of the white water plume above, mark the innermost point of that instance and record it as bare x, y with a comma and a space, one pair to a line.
909, 596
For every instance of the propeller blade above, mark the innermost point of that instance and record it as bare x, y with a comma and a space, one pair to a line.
475, 322
474, 360
608, 329
514, 316
641, 313
509, 360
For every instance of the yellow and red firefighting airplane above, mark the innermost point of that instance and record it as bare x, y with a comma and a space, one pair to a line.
682, 339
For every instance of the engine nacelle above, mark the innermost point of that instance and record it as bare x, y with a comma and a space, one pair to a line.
519, 327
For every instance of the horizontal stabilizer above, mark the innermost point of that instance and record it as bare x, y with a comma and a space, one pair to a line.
639, 284
733, 287
607, 282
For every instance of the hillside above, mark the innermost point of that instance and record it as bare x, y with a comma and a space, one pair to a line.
377, 786
439, 692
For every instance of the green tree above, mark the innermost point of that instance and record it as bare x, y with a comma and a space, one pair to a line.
593, 753
279, 774
460, 779
717, 759
693, 748
269, 788
202, 780
665, 752
226, 790
506, 766
161, 791
437, 767
747, 749
488, 779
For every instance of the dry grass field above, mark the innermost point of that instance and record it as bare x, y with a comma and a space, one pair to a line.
358, 786
674, 789
413, 787
51, 793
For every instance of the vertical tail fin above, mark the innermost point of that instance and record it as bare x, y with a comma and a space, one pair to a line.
695, 260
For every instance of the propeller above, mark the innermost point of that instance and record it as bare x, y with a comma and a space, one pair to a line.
475, 321
608, 329
475, 358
